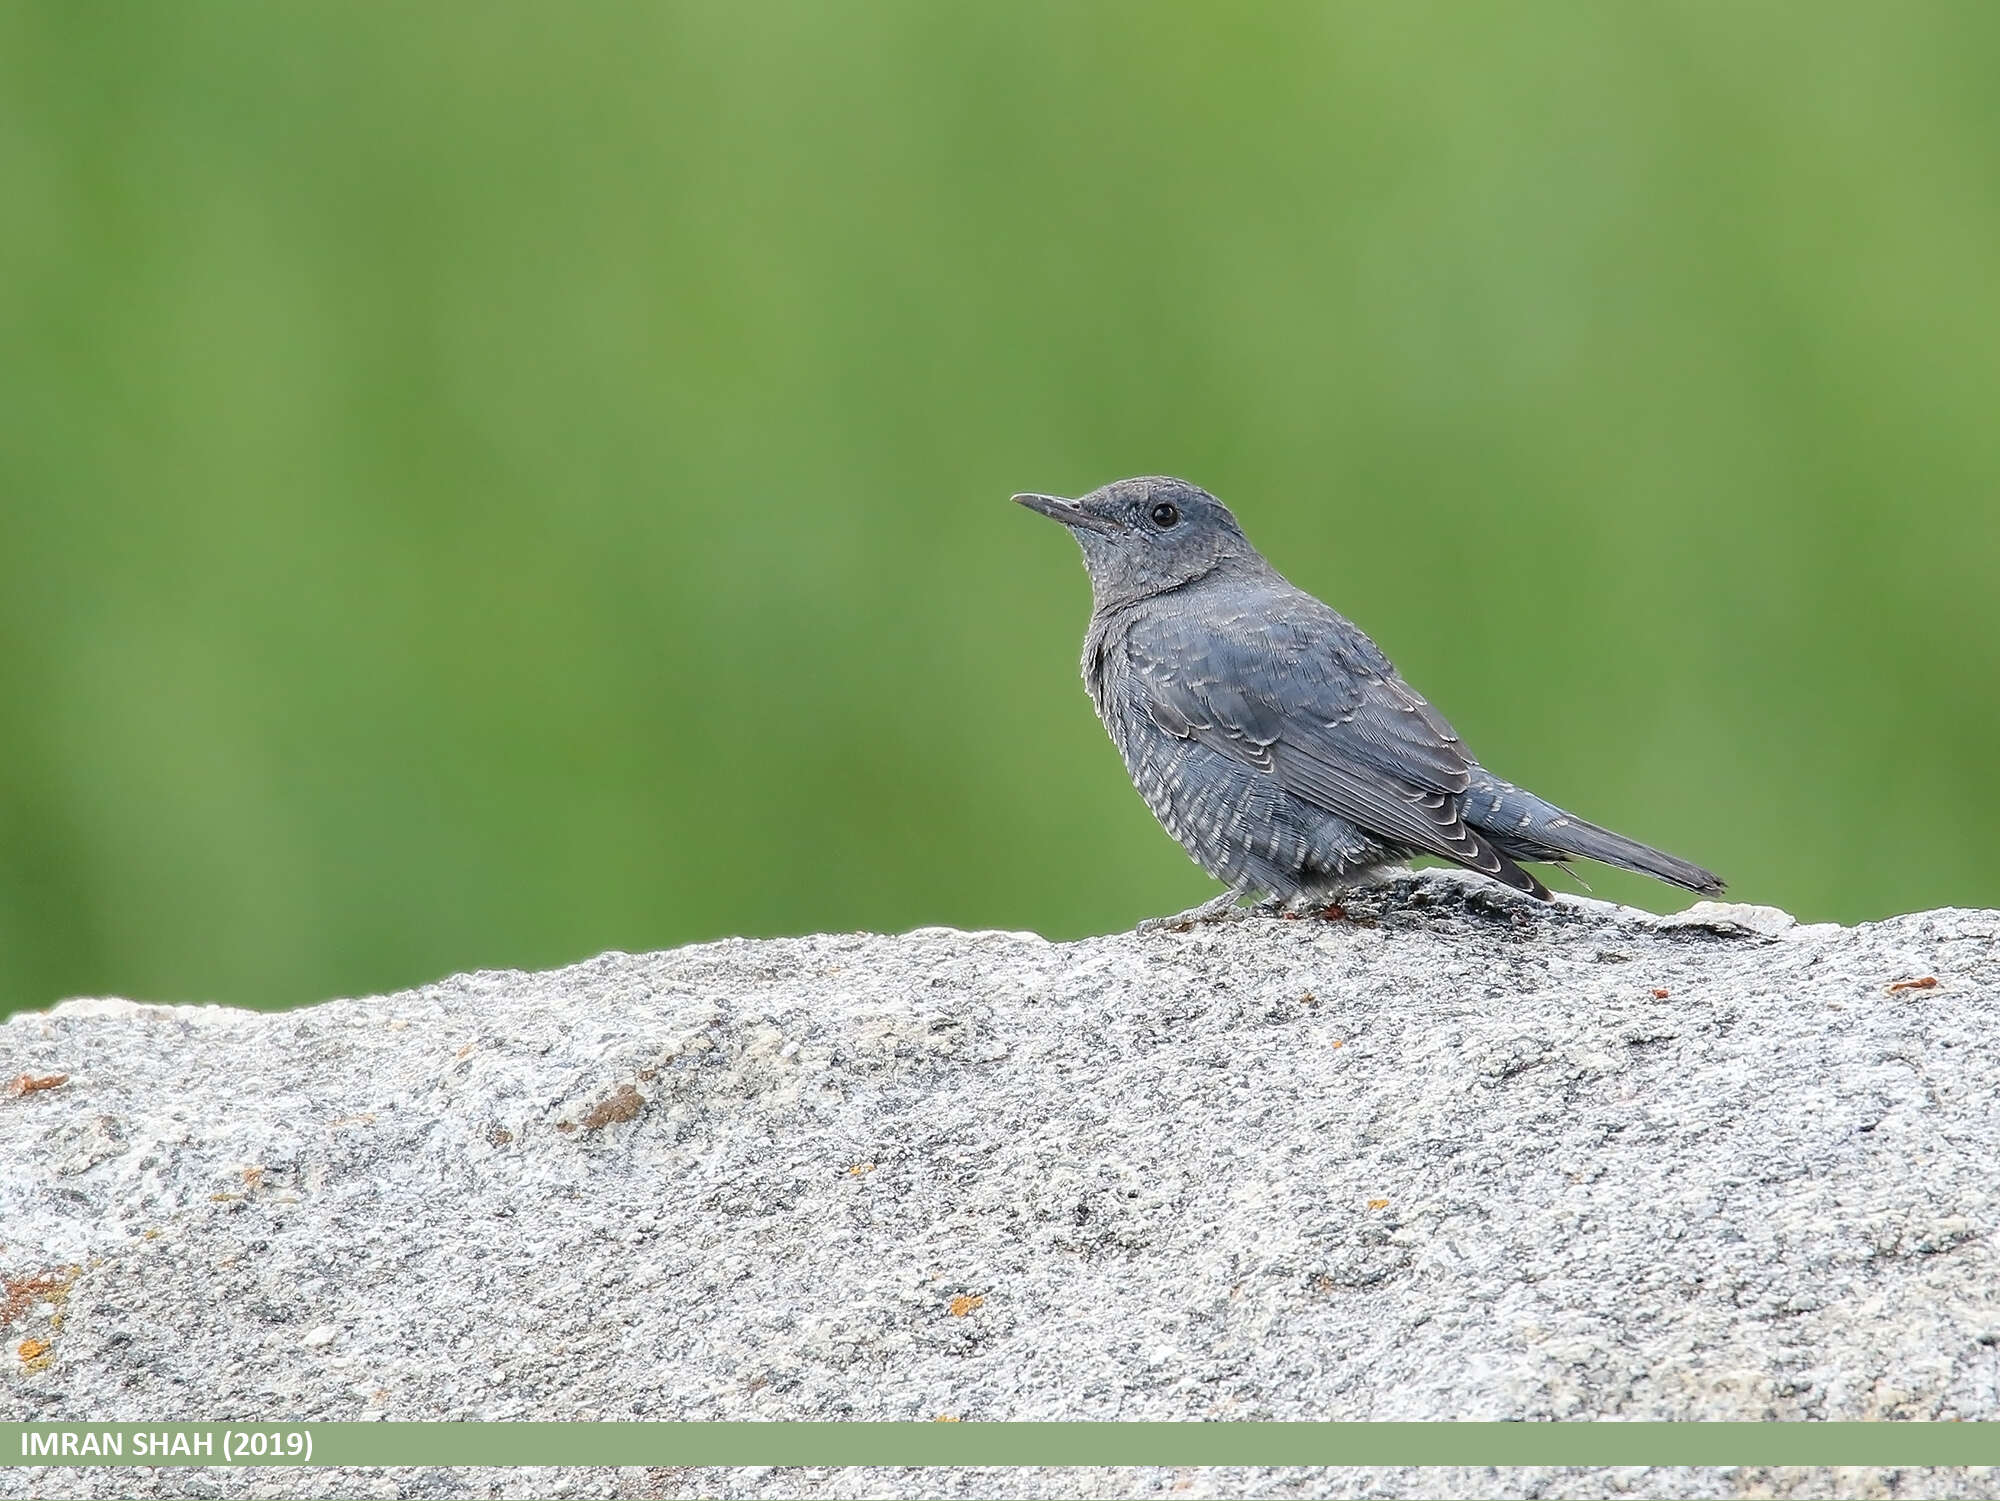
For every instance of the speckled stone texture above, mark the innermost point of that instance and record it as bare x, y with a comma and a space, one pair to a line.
1462, 1155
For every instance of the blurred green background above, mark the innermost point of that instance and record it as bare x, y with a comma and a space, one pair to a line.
482, 485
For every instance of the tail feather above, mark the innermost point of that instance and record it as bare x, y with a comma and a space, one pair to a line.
1522, 826
1495, 862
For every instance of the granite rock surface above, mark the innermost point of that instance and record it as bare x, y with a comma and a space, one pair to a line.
1461, 1155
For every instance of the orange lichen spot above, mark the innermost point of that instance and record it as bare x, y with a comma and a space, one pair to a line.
27, 1084
1378, 1203
34, 1353
1928, 982
861, 1170
623, 1103
1336, 1043
19, 1294
945, 1417
466, 1049
1661, 995
964, 1303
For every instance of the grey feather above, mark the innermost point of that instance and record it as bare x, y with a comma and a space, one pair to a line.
1269, 735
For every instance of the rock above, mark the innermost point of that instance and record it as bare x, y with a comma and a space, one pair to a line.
1732, 917
1460, 1156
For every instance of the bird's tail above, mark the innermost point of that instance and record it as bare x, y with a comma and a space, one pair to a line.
1525, 827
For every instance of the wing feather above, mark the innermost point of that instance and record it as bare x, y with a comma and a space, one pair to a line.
1298, 692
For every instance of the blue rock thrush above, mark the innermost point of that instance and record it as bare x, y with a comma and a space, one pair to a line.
1273, 739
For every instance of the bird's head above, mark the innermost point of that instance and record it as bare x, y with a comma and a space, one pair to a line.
1145, 536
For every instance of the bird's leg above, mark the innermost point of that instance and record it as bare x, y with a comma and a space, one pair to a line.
1322, 902
1212, 910
1324, 911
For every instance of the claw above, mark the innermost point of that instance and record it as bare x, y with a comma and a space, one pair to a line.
1216, 909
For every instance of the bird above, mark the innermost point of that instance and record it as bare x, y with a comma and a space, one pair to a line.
1271, 737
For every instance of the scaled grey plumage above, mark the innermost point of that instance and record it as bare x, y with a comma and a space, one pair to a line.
1270, 736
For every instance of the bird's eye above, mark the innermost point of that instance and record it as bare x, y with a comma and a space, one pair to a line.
1165, 515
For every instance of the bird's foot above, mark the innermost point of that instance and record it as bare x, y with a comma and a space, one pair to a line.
1323, 905
1324, 911
1216, 909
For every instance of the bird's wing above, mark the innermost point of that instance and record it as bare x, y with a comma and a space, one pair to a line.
1302, 695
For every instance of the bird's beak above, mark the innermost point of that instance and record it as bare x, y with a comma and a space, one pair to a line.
1068, 512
